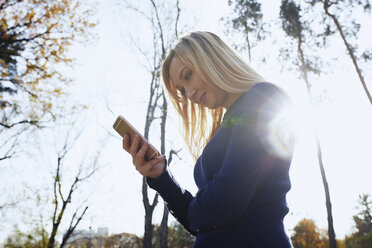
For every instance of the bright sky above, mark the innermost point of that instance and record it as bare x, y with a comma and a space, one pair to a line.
108, 73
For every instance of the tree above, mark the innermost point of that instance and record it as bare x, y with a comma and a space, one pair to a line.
307, 235
362, 238
65, 199
248, 22
164, 30
35, 36
37, 238
363, 220
67, 178
333, 10
178, 236
123, 240
301, 34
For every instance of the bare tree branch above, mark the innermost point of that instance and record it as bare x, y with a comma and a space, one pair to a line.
72, 227
171, 153
143, 14
141, 50
59, 212
177, 18
8, 205
58, 180
161, 36
32, 122
11, 152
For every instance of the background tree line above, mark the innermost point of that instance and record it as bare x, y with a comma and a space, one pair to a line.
307, 234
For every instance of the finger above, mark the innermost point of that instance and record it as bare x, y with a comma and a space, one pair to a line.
141, 153
126, 142
134, 147
146, 169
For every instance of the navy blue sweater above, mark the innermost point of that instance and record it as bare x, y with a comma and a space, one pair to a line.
242, 177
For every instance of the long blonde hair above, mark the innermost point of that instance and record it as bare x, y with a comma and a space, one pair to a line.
215, 63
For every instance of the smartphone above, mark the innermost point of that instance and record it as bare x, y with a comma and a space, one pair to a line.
122, 126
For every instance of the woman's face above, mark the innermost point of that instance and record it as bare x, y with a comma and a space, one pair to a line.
190, 84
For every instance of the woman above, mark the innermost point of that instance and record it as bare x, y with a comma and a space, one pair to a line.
243, 156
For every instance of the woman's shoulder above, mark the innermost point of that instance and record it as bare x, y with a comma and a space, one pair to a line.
260, 102
259, 96
265, 91
271, 96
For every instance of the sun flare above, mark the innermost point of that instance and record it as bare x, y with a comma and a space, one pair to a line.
281, 132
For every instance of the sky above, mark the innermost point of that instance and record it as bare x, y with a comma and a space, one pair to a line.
110, 80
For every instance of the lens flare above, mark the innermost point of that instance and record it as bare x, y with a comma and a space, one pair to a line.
279, 137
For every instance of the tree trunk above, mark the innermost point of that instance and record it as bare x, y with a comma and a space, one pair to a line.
164, 221
52, 236
349, 49
155, 95
331, 232
246, 33
149, 209
147, 238
164, 228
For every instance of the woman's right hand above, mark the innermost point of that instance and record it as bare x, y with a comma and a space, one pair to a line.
153, 168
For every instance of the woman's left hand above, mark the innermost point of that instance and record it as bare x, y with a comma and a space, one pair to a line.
153, 168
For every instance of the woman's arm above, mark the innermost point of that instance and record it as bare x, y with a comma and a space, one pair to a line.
159, 177
176, 198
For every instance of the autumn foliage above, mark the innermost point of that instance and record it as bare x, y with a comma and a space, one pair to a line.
307, 235
35, 36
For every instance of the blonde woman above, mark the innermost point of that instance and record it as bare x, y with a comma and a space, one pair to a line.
234, 128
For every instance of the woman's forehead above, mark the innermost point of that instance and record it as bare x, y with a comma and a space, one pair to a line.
175, 69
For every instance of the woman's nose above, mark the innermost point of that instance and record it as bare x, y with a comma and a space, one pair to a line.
190, 93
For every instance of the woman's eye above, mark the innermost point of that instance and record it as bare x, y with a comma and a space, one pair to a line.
188, 76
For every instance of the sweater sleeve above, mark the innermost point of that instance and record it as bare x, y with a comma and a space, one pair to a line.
227, 196
176, 198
